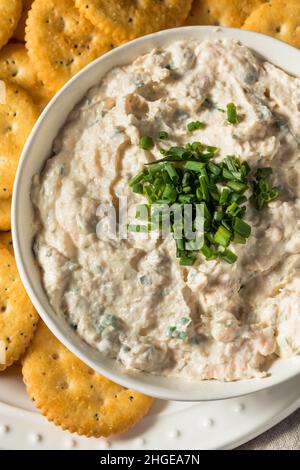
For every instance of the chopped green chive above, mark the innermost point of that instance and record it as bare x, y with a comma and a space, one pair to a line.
228, 256
137, 178
187, 261
163, 135
183, 335
263, 173
215, 169
233, 209
237, 186
208, 253
146, 143
240, 227
235, 197
223, 236
204, 188
137, 188
239, 239
170, 193
187, 175
171, 171
171, 331
231, 113
195, 125
262, 192
224, 195
180, 245
194, 166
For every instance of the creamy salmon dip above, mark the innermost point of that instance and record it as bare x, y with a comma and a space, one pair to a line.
122, 296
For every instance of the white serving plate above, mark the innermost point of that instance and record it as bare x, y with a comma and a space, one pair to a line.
222, 424
38, 149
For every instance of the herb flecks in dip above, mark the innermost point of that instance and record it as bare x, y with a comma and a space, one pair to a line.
131, 299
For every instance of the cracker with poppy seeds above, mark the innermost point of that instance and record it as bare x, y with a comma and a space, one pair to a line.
19, 33
73, 396
16, 67
61, 41
10, 13
230, 13
277, 18
124, 19
17, 117
18, 317
5, 209
6, 241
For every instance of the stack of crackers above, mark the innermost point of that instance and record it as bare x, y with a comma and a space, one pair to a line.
43, 43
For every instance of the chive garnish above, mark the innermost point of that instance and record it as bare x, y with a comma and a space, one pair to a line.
195, 125
187, 175
240, 227
187, 261
231, 113
163, 135
171, 171
208, 253
228, 256
139, 177
237, 186
146, 143
137, 188
224, 195
223, 236
262, 192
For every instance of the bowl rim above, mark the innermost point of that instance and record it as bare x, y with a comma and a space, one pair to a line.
135, 381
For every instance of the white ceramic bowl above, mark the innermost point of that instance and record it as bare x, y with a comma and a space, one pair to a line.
38, 149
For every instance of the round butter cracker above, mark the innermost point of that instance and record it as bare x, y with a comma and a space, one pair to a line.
230, 13
6, 241
279, 18
18, 318
73, 396
5, 209
60, 41
126, 19
17, 117
16, 67
10, 13
19, 33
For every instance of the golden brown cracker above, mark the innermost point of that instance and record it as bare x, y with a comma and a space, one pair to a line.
17, 117
127, 19
8, 168
75, 397
16, 67
279, 18
5, 209
61, 41
19, 33
230, 13
6, 241
10, 13
18, 318
2, 92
